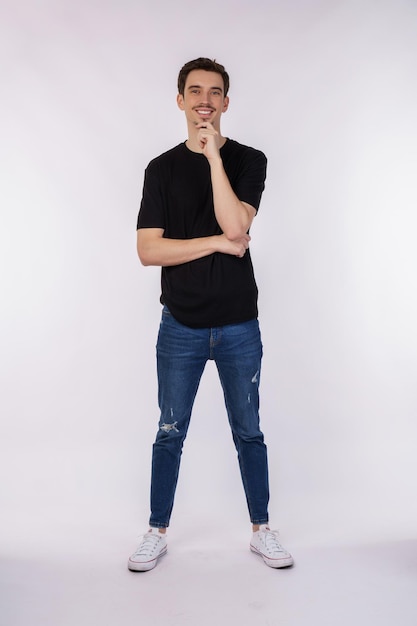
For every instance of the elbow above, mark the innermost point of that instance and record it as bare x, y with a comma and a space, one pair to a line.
145, 261
144, 257
148, 246
235, 233
237, 228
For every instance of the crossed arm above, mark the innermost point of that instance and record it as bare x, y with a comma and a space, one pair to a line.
233, 216
155, 249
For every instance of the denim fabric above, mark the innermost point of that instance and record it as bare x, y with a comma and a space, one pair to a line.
182, 353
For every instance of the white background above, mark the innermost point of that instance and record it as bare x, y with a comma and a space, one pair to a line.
328, 91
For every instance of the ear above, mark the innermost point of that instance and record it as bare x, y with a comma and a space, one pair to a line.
225, 104
180, 101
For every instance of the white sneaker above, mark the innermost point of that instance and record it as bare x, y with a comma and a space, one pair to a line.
265, 543
152, 546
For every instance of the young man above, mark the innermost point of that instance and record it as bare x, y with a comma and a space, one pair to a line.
199, 200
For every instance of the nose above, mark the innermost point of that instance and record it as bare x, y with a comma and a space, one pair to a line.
207, 96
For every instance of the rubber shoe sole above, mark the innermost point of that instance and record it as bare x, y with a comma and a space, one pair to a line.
145, 566
284, 561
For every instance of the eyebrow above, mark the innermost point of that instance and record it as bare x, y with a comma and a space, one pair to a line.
199, 87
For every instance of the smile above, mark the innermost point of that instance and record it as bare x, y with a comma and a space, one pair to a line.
204, 112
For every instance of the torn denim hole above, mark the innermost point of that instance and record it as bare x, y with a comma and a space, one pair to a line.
255, 378
167, 428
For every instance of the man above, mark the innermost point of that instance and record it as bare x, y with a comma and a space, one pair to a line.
199, 200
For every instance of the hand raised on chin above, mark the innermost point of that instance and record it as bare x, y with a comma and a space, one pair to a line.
208, 139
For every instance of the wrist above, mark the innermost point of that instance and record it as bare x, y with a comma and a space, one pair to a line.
215, 161
216, 240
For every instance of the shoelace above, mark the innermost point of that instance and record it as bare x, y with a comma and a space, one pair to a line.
271, 542
148, 544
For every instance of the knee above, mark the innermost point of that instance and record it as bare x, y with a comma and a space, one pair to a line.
169, 427
248, 435
170, 434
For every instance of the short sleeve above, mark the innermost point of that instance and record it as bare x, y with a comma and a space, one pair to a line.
151, 212
246, 169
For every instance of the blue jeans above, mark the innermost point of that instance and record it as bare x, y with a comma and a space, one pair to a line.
182, 354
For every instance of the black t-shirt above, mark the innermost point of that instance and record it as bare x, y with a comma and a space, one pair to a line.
220, 288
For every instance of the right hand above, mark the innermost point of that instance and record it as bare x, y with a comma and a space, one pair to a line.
235, 247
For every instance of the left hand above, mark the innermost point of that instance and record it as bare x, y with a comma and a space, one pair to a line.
209, 140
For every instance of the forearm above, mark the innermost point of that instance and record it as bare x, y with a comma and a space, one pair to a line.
155, 249
164, 252
233, 216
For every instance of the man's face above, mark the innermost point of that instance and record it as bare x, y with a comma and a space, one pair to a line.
203, 98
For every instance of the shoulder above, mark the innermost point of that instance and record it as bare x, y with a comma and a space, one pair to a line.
166, 158
239, 159
234, 148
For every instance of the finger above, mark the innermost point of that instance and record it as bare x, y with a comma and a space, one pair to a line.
206, 130
204, 133
205, 125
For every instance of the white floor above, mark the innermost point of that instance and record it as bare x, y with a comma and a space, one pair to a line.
83, 580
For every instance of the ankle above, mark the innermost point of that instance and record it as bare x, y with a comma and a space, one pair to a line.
256, 527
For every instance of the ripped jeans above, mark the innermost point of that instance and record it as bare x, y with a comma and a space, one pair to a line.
182, 353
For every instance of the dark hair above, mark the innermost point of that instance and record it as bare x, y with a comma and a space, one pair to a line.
202, 64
